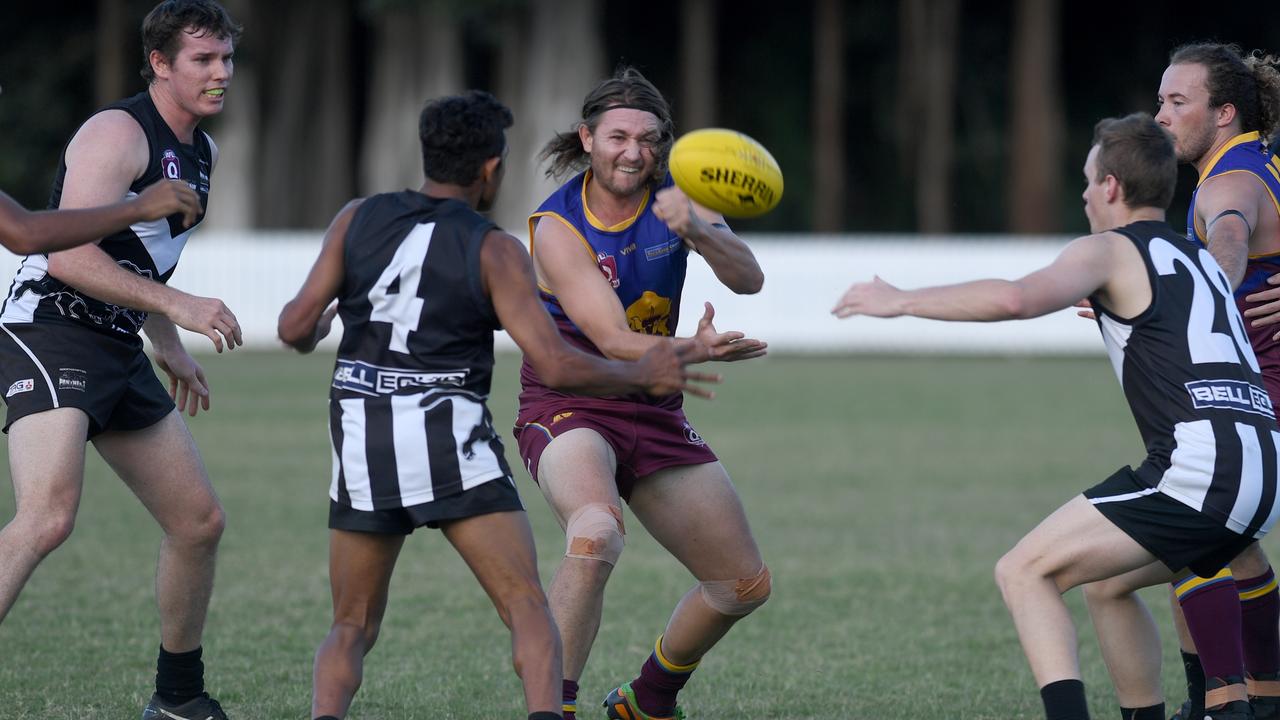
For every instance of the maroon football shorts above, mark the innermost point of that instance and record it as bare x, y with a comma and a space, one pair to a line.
644, 438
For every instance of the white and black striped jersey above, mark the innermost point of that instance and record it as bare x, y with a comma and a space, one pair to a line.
149, 249
1193, 384
407, 403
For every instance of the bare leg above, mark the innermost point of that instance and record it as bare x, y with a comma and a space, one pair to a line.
162, 467
360, 566
499, 549
46, 461
695, 513
1128, 635
1073, 546
575, 470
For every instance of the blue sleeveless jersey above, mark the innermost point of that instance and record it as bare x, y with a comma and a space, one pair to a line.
641, 258
1248, 153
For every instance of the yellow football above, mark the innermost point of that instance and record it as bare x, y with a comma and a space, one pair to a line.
726, 171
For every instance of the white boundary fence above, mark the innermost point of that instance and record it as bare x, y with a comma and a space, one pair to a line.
256, 273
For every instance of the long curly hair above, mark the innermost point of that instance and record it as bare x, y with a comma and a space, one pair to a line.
1250, 82
627, 88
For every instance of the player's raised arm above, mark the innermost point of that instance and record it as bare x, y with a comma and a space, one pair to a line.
508, 278
25, 233
308, 317
706, 233
1082, 268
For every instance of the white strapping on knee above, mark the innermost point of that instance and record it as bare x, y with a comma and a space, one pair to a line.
595, 532
738, 597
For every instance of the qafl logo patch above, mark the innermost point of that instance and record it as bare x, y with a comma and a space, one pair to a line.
609, 266
170, 166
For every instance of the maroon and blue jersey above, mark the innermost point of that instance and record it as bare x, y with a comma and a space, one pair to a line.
641, 258
1248, 153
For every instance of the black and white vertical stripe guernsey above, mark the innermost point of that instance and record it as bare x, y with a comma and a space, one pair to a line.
1193, 384
407, 404
150, 249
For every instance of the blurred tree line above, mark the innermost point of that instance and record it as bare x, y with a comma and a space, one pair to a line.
929, 116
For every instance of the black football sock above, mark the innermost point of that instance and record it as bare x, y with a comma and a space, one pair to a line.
179, 676
1064, 700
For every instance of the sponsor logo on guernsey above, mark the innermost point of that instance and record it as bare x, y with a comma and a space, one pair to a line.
169, 165
654, 252
20, 387
72, 379
1230, 395
361, 377
628, 249
692, 437
558, 417
609, 266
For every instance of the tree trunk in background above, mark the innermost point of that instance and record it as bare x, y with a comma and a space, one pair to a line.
937, 116
555, 73
305, 164
910, 100
698, 46
109, 52
1037, 119
417, 56
828, 117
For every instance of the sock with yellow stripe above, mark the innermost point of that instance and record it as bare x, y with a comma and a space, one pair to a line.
570, 699
1212, 609
1260, 622
659, 682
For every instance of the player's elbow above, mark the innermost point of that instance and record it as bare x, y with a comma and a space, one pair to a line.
293, 331
1013, 304
750, 284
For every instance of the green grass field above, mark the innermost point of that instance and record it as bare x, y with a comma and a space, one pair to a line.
881, 490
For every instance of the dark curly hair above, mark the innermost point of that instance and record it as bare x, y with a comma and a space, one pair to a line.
459, 133
627, 88
163, 27
1250, 82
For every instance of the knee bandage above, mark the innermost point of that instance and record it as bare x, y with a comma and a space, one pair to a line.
595, 532
737, 597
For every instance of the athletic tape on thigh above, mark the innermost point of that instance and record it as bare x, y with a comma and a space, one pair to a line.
738, 597
595, 532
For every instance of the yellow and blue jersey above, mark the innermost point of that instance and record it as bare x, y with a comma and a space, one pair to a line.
640, 257
1248, 153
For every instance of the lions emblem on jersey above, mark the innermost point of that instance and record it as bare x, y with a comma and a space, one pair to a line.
650, 314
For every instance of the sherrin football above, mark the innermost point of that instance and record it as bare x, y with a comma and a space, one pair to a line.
727, 172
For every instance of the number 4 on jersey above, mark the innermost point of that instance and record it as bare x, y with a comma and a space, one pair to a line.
402, 307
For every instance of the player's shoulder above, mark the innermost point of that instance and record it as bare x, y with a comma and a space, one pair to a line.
110, 136
110, 126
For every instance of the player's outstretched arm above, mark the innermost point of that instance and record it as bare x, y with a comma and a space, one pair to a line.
705, 232
508, 279
587, 298
27, 233
1081, 269
308, 317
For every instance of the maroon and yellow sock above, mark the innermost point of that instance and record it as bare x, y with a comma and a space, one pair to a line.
1260, 623
569, 693
1212, 609
659, 682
